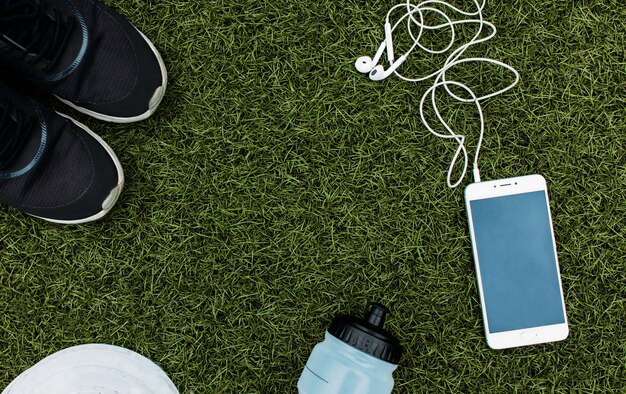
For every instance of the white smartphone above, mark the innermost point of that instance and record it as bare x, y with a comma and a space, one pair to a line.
516, 262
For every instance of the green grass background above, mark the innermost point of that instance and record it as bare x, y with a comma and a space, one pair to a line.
276, 187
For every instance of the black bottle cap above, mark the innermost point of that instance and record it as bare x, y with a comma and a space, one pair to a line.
367, 335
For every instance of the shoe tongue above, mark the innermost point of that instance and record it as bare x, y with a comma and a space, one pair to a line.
32, 138
23, 31
71, 50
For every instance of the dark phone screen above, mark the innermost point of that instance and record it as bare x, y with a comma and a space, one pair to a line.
517, 263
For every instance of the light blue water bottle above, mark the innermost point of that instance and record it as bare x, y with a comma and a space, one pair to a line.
356, 357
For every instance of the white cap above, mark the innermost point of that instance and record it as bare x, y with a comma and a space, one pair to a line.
93, 368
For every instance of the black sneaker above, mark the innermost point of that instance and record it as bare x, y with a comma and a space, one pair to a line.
89, 56
53, 167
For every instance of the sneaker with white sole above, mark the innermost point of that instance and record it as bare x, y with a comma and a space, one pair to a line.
86, 54
53, 167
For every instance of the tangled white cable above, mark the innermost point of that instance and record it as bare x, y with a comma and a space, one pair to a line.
415, 17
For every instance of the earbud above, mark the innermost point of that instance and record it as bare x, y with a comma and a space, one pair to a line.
378, 73
365, 64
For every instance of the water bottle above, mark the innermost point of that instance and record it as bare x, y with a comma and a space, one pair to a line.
356, 357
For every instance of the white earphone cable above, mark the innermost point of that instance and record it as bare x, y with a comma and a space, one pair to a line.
415, 17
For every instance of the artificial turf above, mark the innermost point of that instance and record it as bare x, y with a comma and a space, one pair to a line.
276, 188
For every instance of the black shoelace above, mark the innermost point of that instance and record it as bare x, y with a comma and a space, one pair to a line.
36, 31
15, 127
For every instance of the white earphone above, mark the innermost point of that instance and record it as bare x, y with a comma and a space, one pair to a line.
377, 72
365, 64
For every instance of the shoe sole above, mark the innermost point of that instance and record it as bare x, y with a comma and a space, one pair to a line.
157, 96
113, 196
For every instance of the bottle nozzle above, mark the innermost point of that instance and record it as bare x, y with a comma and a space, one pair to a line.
376, 316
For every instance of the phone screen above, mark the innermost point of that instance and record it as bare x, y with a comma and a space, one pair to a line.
518, 267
